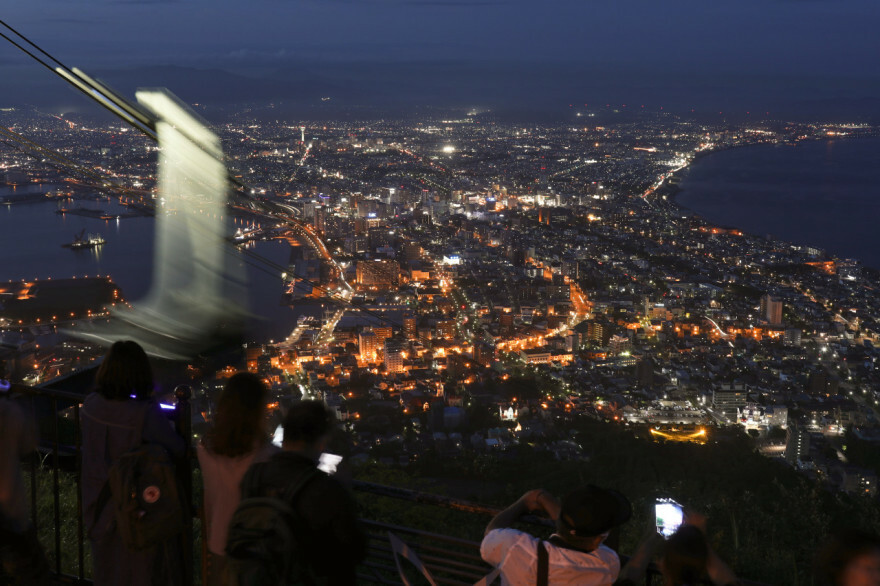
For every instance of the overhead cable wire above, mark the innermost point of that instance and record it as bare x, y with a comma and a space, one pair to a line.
25, 143
136, 117
106, 97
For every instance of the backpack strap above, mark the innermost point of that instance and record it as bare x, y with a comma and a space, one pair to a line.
291, 492
104, 495
543, 565
141, 424
100, 505
251, 484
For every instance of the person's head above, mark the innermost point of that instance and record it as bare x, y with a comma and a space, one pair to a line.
588, 514
849, 558
239, 420
307, 427
125, 373
685, 555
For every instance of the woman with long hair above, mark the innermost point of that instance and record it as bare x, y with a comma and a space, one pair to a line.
118, 416
237, 439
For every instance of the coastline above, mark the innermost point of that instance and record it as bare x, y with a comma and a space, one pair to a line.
672, 188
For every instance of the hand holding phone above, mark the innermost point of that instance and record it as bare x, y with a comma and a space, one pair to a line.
668, 516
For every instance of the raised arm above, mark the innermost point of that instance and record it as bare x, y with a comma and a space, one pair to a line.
534, 500
719, 572
637, 566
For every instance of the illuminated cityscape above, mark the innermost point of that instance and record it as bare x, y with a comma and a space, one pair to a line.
487, 255
474, 252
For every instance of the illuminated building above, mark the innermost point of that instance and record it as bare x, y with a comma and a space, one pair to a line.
535, 356
252, 352
321, 219
382, 333
728, 397
367, 344
754, 415
378, 274
446, 329
484, 353
409, 326
505, 321
792, 337
597, 332
618, 344
771, 310
394, 356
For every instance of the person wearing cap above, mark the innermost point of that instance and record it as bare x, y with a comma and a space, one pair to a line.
575, 553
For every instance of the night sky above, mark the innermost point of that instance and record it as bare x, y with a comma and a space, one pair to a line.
703, 39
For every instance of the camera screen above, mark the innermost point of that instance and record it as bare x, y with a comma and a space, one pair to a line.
669, 517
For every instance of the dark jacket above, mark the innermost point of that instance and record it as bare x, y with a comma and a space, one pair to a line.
327, 507
109, 429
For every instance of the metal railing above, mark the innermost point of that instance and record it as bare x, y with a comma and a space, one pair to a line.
56, 408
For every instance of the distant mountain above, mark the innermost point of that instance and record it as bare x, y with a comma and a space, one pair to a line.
523, 90
216, 86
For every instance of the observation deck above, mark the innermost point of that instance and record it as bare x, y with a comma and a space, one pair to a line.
52, 479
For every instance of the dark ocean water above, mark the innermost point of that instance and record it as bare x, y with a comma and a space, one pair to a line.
822, 193
32, 234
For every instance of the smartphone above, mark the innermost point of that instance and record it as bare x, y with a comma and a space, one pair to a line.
669, 516
328, 462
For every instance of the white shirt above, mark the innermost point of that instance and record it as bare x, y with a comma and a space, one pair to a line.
517, 555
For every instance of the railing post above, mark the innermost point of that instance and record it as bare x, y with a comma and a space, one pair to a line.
34, 464
56, 497
183, 426
80, 526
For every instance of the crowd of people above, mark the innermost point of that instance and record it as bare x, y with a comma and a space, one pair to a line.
271, 515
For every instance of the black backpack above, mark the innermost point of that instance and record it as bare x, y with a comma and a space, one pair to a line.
142, 488
265, 546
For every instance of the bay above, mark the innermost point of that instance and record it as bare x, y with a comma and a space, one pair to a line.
32, 235
824, 194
